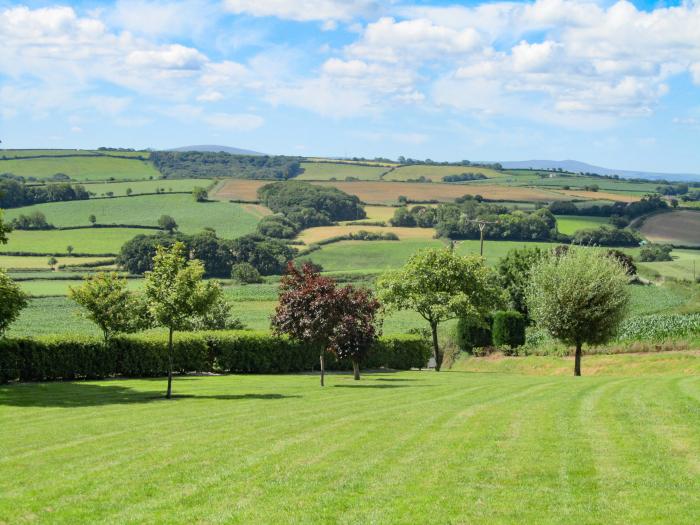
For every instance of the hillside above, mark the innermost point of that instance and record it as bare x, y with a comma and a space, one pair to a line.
212, 148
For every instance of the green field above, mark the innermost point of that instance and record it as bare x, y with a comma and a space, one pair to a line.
146, 186
28, 263
87, 240
570, 224
228, 219
436, 173
81, 168
685, 265
408, 447
339, 171
12, 153
59, 287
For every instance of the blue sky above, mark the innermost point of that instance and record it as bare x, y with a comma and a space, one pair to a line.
611, 83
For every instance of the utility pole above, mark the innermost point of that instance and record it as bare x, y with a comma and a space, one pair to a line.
482, 226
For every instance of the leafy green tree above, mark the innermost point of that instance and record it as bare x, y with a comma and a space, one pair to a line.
167, 223
4, 230
440, 286
69, 249
129, 191
245, 273
52, 262
579, 297
514, 274
12, 301
109, 304
92, 219
199, 194
177, 295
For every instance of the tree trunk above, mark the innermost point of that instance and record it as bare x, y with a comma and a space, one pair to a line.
323, 368
436, 347
169, 393
356, 369
577, 360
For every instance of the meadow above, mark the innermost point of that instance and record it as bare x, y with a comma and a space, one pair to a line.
677, 227
436, 173
14, 262
685, 265
228, 219
339, 171
570, 224
320, 233
146, 186
98, 241
407, 447
81, 168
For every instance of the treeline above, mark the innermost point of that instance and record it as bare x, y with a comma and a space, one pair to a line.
202, 164
630, 210
14, 193
219, 256
299, 205
430, 162
462, 177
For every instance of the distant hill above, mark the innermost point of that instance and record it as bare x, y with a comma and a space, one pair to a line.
214, 148
576, 166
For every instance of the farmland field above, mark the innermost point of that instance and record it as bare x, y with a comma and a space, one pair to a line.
570, 224
685, 265
228, 219
30, 263
314, 235
436, 173
619, 448
88, 240
81, 168
681, 227
606, 195
146, 186
328, 170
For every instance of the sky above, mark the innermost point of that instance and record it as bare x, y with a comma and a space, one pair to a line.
615, 84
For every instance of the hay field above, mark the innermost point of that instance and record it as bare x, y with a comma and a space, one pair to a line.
14, 262
681, 227
314, 235
598, 195
238, 189
436, 173
339, 171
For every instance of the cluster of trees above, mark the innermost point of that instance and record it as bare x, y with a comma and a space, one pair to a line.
461, 177
655, 252
32, 221
430, 162
15, 193
218, 256
299, 205
12, 299
458, 221
630, 210
607, 236
202, 164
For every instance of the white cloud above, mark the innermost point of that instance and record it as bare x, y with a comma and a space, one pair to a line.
303, 10
172, 56
160, 18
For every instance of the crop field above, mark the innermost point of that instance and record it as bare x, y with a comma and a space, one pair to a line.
621, 447
604, 195
146, 186
228, 219
59, 287
13, 262
379, 213
436, 173
570, 224
681, 227
238, 189
327, 171
81, 168
88, 240
314, 235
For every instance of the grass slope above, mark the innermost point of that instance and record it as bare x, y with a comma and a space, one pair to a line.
410, 447
228, 219
91, 241
436, 173
570, 224
327, 171
685, 265
81, 168
146, 186
31, 263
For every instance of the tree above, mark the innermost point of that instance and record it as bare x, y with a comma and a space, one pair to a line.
440, 286
199, 194
129, 191
109, 304
69, 249
514, 274
52, 262
92, 219
4, 230
12, 301
307, 311
167, 223
579, 297
245, 273
177, 295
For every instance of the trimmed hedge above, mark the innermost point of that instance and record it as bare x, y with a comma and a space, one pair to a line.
469, 334
144, 355
508, 329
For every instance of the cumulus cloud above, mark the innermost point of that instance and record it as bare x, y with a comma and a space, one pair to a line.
303, 10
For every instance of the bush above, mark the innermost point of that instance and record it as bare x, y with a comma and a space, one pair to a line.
470, 334
508, 329
245, 273
655, 252
146, 355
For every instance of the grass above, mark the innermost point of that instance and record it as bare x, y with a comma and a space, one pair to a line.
59, 287
228, 219
379, 213
681, 227
409, 447
685, 265
81, 168
436, 173
89, 240
30, 263
570, 224
319, 233
146, 186
327, 171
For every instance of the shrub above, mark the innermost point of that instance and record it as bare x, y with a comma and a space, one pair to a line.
655, 252
508, 329
469, 334
245, 273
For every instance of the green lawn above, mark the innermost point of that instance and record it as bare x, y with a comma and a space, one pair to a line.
228, 219
145, 186
88, 240
570, 224
409, 447
327, 171
81, 168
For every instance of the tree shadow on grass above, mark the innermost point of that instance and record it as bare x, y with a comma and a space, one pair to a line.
68, 395
369, 385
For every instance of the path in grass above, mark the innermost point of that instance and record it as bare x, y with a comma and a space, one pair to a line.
412, 447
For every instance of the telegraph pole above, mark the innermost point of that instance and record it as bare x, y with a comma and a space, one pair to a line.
482, 226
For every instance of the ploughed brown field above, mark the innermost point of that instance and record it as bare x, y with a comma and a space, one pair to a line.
680, 227
389, 192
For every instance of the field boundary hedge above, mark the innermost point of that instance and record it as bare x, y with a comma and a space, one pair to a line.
146, 355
